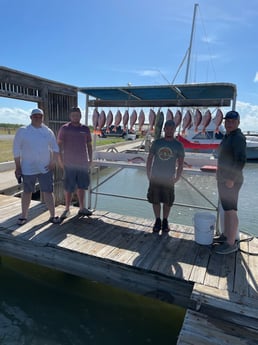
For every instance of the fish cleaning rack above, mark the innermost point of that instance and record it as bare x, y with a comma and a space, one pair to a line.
181, 96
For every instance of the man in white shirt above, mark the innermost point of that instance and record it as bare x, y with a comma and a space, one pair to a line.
35, 153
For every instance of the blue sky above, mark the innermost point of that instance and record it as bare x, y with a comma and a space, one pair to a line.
142, 42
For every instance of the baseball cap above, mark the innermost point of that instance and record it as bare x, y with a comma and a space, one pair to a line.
37, 111
232, 114
170, 123
75, 110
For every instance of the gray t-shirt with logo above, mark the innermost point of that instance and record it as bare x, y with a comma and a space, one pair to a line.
165, 153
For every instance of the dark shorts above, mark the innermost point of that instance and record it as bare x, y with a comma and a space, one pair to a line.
76, 178
229, 196
45, 182
160, 193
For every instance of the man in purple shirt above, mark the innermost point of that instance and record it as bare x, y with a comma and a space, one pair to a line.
75, 143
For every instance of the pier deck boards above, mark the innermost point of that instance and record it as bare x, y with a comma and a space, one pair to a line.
122, 251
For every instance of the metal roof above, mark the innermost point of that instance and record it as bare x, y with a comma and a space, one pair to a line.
204, 94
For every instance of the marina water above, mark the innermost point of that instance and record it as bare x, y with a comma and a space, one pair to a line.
133, 182
44, 307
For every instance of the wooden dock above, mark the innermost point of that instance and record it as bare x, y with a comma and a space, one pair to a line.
219, 291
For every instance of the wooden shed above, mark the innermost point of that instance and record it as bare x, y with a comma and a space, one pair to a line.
56, 99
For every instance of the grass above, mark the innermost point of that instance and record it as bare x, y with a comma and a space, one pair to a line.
6, 145
7, 130
6, 153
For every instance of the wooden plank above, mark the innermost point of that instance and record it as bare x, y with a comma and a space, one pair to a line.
200, 265
131, 255
85, 238
226, 306
253, 268
181, 262
241, 284
213, 270
102, 245
227, 272
128, 243
202, 329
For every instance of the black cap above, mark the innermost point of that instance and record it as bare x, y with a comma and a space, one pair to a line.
170, 123
232, 114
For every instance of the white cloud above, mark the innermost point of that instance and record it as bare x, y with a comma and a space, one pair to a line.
15, 115
148, 73
256, 77
248, 116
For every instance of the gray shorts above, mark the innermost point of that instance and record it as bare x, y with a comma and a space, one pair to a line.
161, 193
229, 196
45, 182
76, 178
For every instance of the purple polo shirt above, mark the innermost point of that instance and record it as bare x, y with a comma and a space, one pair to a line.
74, 141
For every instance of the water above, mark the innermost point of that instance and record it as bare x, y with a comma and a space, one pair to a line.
40, 306
133, 182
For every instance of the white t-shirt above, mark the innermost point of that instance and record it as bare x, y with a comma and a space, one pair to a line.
34, 146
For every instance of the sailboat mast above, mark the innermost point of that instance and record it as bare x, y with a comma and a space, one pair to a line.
190, 45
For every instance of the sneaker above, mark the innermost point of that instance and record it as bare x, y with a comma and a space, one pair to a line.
22, 221
165, 226
84, 212
226, 248
65, 214
54, 220
157, 225
220, 239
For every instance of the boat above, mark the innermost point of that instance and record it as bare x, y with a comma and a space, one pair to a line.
208, 141
252, 147
203, 141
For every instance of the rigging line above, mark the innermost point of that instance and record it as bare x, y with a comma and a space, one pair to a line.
180, 66
209, 46
163, 76
189, 50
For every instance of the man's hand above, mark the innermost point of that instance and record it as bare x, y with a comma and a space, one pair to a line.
229, 183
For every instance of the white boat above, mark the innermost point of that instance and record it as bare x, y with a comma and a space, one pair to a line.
201, 140
252, 147
209, 140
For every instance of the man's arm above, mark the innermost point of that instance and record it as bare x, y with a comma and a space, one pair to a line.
149, 164
18, 171
89, 148
179, 170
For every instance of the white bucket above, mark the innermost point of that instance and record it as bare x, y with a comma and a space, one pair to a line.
204, 225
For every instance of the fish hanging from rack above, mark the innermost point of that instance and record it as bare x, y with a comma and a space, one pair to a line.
218, 120
118, 119
158, 124
206, 119
101, 119
125, 119
95, 119
133, 119
141, 120
197, 119
169, 115
178, 118
109, 121
152, 118
187, 120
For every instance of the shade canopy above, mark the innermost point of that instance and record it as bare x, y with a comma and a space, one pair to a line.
185, 95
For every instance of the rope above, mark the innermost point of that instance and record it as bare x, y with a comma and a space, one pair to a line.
247, 240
